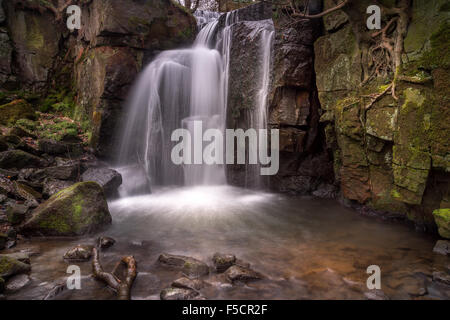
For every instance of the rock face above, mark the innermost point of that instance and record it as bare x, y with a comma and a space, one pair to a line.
13, 111
391, 157
293, 103
117, 37
77, 210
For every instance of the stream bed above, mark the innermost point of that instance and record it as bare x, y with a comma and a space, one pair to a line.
306, 248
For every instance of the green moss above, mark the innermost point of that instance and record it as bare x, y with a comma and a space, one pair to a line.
442, 219
438, 56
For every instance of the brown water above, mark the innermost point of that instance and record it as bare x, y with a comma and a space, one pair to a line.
307, 248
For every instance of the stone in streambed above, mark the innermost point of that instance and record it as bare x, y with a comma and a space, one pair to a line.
242, 274
17, 283
441, 277
79, 253
178, 294
191, 267
77, 210
186, 283
10, 267
442, 247
16, 213
109, 179
56, 148
376, 295
105, 242
223, 261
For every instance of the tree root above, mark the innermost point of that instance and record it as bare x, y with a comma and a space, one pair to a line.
122, 287
377, 97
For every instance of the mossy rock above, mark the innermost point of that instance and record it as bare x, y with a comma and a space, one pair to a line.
442, 219
13, 111
20, 159
77, 210
10, 267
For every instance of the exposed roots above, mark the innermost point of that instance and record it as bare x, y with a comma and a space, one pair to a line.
122, 287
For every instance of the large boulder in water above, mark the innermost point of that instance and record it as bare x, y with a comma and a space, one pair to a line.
77, 210
109, 179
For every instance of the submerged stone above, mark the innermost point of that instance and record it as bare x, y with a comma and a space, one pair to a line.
223, 261
79, 253
186, 283
17, 283
189, 266
178, 294
242, 274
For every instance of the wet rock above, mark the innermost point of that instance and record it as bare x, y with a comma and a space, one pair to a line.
109, 179
191, 267
325, 191
16, 213
19, 256
17, 283
223, 261
442, 219
79, 253
11, 243
441, 277
13, 111
77, 210
105, 242
178, 294
53, 186
55, 291
67, 172
186, 283
28, 194
376, 295
442, 247
242, 274
10, 267
56, 148
20, 159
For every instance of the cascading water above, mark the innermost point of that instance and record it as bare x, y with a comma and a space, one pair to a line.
177, 89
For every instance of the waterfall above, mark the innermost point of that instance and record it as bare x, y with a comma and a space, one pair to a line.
178, 88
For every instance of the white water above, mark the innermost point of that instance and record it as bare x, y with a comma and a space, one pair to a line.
175, 89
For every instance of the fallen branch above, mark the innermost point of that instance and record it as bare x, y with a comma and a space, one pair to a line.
122, 287
319, 15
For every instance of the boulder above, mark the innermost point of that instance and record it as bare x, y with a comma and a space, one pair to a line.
10, 267
17, 283
3, 240
186, 283
15, 110
442, 247
242, 274
19, 256
191, 267
178, 294
223, 261
16, 213
3, 144
56, 148
376, 295
77, 210
53, 186
105, 242
20, 159
109, 179
79, 253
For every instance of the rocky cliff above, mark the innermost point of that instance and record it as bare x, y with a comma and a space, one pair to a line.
91, 69
390, 155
